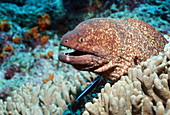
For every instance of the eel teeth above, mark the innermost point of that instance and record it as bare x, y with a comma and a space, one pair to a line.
66, 50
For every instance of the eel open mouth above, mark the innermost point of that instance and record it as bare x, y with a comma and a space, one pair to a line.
75, 57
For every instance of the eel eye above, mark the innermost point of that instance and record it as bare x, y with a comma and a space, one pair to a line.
81, 39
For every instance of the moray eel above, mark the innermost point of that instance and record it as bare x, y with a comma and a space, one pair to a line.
109, 46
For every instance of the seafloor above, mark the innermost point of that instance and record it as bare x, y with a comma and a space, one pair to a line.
34, 82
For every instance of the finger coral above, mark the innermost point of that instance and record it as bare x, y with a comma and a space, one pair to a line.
51, 98
146, 90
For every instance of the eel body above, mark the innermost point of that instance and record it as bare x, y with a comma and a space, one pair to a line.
109, 46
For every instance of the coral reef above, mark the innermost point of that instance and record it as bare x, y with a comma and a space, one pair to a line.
25, 15
33, 81
133, 94
146, 90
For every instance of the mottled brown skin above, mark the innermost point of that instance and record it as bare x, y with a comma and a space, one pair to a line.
109, 47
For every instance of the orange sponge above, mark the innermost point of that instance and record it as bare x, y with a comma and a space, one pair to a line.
9, 48
44, 39
51, 76
33, 32
16, 40
43, 21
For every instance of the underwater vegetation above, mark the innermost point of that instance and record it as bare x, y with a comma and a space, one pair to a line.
34, 82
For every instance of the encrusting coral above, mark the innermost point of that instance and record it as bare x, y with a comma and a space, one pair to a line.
146, 90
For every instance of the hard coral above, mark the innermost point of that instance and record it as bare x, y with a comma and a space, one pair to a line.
145, 91
4, 25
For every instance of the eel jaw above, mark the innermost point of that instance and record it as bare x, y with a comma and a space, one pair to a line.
79, 59
82, 60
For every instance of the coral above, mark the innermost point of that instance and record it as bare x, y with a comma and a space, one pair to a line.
50, 98
6, 47
124, 98
22, 59
55, 95
146, 90
25, 61
157, 14
25, 15
4, 25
